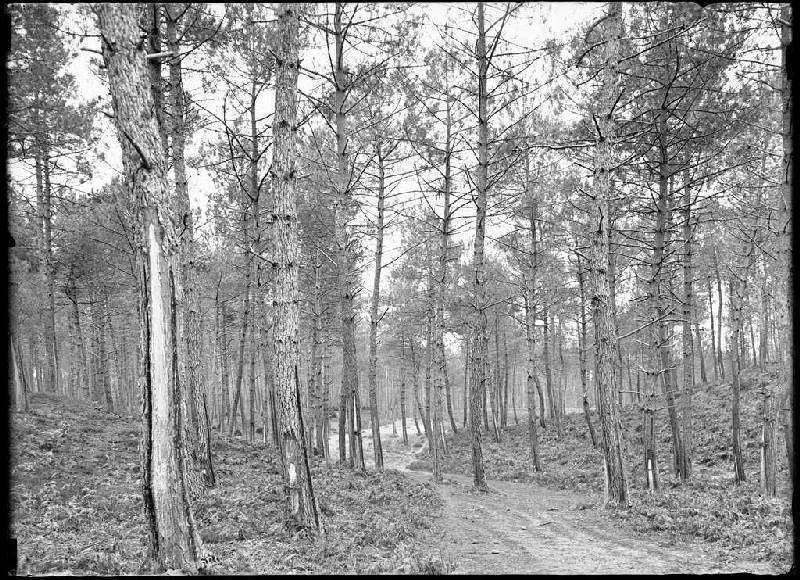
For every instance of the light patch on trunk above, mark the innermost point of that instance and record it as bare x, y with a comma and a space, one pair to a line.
292, 474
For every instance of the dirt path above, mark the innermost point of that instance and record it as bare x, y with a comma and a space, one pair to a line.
525, 528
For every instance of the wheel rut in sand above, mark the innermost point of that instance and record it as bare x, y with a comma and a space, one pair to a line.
528, 528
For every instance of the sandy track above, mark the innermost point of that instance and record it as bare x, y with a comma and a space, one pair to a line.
526, 528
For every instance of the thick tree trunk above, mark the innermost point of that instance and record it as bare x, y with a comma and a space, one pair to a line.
286, 260
616, 488
174, 541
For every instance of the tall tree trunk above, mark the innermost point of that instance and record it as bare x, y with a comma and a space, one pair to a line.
787, 92
657, 293
403, 371
222, 337
687, 340
736, 332
530, 338
719, 315
101, 385
43, 196
466, 381
504, 408
582, 351
552, 408
480, 345
373, 323
315, 379
286, 259
82, 370
20, 402
174, 541
616, 488
714, 356
237, 393
187, 283
344, 257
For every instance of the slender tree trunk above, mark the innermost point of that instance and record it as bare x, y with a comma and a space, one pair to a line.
687, 340
582, 351
714, 356
373, 325
222, 337
657, 293
344, 257
719, 315
20, 392
174, 541
51, 373
242, 341
787, 92
530, 337
82, 368
466, 381
403, 372
315, 383
188, 317
736, 331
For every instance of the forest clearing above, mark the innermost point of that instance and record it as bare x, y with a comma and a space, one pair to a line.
401, 287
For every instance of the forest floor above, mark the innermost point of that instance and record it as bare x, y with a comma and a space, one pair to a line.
76, 505
554, 522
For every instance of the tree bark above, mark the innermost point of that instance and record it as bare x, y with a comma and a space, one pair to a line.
344, 257
714, 356
736, 331
286, 260
687, 339
187, 283
616, 488
174, 541
582, 351
719, 315
480, 342
403, 371
373, 324
787, 91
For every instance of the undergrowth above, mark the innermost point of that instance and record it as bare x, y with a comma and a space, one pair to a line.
76, 505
